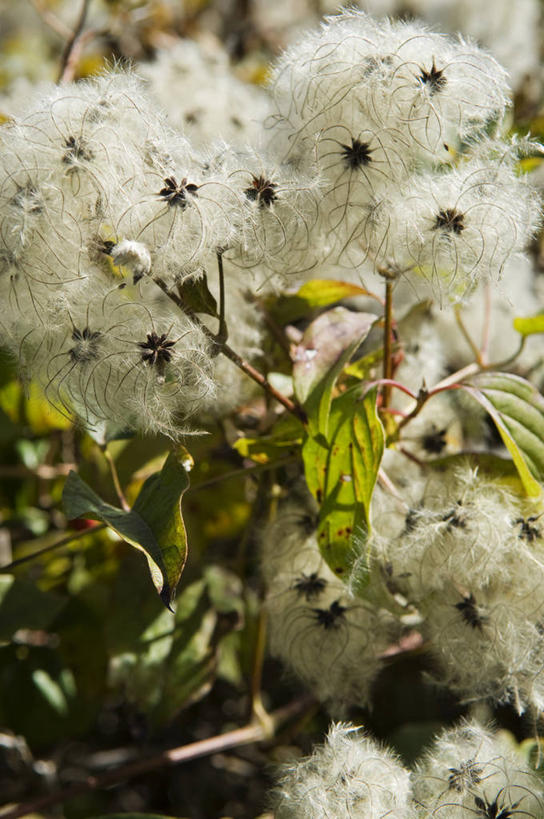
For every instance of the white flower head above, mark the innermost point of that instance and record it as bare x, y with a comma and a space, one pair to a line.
471, 771
330, 639
364, 74
350, 775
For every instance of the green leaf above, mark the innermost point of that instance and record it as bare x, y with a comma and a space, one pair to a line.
285, 439
365, 368
517, 409
529, 326
154, 525
312, 296
196, 295
327, 345
341, 472
159, 504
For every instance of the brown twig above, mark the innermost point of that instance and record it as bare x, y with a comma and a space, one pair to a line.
236, 359
254, 732
72, 50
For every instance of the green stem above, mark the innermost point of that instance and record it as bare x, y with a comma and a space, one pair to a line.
115, 477
388, 343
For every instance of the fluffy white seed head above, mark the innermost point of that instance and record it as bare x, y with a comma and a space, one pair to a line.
466, 528
109, 358
358, 73
469, 769
195, 86
350, 775
328, 638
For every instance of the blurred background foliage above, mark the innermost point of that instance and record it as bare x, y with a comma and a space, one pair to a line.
94, 671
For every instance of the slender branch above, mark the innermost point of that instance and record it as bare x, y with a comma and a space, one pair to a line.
253, 732
45, 472
257, 708
57, 545
454, 378
389, 382
466, 335
421, 400
115, 477
500, 365
242, 472
223, 332
487, 322
388, 343
72, 48
236, 359
51, 20
263, 382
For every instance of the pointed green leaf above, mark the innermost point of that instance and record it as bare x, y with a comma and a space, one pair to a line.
196, 295
348, 475
285, 439
322, 292
154, 526
529, 326
327, 345
312, 296
517, 409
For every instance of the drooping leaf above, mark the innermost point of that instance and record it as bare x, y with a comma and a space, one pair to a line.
327, 345
159, 504
154, 525
517, 409
529, 326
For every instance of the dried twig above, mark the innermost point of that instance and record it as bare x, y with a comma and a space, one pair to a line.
73, 46
254, 732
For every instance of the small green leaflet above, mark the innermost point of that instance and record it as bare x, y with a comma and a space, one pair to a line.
529, 326
517, 409
197, 297
344, 443
154, 525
